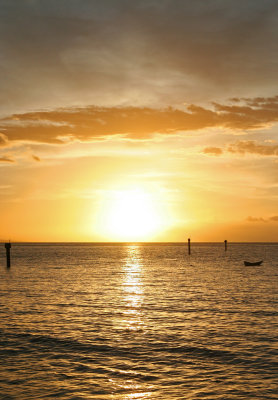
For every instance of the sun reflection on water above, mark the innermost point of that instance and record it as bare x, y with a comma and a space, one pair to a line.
132, 289
140, 395
130, 323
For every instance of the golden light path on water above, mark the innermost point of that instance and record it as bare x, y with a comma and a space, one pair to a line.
132, 287
132, 296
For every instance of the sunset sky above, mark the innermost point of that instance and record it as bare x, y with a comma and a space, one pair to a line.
139, 120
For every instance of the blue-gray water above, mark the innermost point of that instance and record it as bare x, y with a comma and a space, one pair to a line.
139, 322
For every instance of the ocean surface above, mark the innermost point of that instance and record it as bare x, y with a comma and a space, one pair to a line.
139, 321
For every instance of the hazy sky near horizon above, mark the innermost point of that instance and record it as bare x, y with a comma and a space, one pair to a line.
164, 109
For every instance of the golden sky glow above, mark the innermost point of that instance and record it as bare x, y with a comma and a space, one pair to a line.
138, 120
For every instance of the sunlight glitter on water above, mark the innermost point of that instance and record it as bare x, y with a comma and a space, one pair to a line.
144, 322
132, 290
135, 396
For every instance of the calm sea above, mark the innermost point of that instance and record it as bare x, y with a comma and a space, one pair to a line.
92, 321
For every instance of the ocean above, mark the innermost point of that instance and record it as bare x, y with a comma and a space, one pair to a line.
139, 321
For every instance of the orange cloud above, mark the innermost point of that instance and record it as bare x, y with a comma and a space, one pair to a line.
6, 160
215, 151
3, 140
252, 147
95, 123
255, 113
260, 219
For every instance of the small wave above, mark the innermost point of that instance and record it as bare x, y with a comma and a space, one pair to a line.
54, 346
224, 356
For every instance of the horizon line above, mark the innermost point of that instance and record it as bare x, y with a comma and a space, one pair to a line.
129, 242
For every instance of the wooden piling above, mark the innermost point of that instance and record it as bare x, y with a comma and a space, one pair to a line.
225, 242
8, 256
189, 248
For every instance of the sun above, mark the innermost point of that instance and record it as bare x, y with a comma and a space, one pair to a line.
131, 215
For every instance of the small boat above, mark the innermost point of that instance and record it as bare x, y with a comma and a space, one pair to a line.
249, 264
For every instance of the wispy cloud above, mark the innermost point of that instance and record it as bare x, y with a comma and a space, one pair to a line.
6, 160
253, 147
36, 158
261, 219
3, 140
244, 147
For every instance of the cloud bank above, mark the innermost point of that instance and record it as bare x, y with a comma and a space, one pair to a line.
95, 123
135, 52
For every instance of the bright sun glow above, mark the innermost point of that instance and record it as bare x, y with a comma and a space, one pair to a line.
131, 215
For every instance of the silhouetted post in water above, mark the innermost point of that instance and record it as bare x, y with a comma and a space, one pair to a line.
8, 246
225, 241
189, 249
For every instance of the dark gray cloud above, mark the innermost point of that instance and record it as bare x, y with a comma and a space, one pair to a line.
94, 52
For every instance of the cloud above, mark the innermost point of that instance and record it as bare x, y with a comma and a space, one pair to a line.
6, 160
255, 219
216, 151
95, 123
118, 52
3, 140
260, 219
253, 114
252, 147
